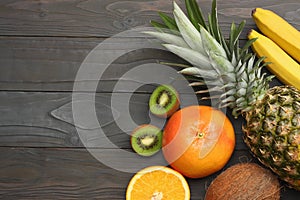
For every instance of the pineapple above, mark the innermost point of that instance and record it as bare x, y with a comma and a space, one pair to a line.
272, 132
272, 115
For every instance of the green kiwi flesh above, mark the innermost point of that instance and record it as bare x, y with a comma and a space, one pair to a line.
164, 101
146, 140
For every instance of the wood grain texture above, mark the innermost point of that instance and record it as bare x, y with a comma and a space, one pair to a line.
40, 119
35, 173
43, 43
58, 174
52, 63
105, 18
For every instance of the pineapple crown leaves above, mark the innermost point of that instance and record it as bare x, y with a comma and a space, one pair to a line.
221, 64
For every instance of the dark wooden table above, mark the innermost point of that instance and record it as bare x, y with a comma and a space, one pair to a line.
42, 47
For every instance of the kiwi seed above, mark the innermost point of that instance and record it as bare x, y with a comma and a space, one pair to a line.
146, 140
164, 101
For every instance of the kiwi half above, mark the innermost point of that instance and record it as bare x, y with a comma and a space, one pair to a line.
146, 140
164, 101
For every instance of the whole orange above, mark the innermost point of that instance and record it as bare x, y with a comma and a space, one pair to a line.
198, 141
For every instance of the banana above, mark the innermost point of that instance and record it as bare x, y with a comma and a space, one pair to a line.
285, 68
279, 30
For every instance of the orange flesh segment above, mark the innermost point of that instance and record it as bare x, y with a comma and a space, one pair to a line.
159, 184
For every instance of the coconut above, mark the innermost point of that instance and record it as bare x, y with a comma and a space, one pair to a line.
244, 181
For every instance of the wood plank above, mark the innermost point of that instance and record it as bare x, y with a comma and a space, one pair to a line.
52, 64
107, 17
40, 119
35, 173
41, 63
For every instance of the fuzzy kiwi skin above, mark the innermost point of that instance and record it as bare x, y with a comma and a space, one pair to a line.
174, 105
146, 152
244, 181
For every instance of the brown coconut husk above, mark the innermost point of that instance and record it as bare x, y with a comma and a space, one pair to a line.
245, 181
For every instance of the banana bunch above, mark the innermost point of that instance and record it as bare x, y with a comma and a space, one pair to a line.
279, 43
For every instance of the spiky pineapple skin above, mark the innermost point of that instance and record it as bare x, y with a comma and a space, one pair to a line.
272, 132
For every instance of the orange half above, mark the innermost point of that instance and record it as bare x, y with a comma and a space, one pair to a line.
157, 183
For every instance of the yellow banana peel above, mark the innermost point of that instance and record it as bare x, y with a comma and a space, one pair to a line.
281, 64
279, 30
